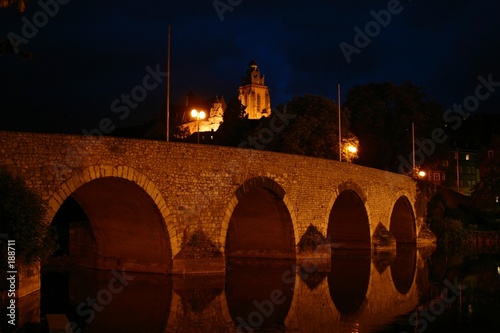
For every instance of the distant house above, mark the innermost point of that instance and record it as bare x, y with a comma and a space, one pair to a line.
489, 168
214, 113
491, 156
459, 170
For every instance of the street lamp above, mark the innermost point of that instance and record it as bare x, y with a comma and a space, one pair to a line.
421, 173
349, 151
199, 115
352, 149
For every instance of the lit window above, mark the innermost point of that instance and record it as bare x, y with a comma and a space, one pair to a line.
456, 155
468, 183
446, 163
497, 199
467, 157
436, 176
443, 176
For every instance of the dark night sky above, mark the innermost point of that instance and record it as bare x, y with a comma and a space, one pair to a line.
91, 52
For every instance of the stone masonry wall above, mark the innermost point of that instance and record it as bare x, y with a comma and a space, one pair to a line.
194, 186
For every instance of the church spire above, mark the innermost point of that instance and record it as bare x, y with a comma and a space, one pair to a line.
254, 94
253, 75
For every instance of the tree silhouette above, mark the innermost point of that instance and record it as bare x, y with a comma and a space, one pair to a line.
311, 128
6, 46
381, 116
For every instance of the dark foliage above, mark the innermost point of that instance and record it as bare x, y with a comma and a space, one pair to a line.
381, 116
22, 218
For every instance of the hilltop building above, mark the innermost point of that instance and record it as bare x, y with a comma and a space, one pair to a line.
254, 94
213, 117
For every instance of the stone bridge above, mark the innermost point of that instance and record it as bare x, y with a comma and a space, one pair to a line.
146, 205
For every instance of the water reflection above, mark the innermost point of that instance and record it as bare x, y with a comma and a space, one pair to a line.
403, 268
357, 292
106, 301
348, 280
259, 292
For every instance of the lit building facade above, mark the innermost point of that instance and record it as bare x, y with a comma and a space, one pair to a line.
212, 120
458, 171
254, 94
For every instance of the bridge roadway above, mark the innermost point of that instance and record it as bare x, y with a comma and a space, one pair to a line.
147, 205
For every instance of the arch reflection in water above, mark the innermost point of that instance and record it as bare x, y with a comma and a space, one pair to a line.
139, 304
403, 267
348, 279
262, 295
259, 292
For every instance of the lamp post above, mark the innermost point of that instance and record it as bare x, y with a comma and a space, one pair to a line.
340, 124
199, 115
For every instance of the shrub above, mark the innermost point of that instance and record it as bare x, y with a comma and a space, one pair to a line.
22, 218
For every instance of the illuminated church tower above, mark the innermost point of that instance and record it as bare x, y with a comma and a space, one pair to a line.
254, 94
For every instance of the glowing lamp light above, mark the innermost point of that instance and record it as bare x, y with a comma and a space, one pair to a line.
198, 115
352, 149
421, 173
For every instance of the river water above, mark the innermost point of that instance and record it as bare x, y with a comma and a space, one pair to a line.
408, 291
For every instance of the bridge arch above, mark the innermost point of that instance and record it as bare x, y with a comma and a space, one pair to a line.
123, 195
348, 222
259, 221
402, 222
